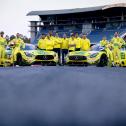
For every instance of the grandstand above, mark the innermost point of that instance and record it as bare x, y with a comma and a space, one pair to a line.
95, 21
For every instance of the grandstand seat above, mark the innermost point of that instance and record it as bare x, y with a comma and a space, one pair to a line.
95, 35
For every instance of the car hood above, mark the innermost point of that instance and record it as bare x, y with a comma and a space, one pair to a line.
41, 52
92, 52
34, 52
82, 53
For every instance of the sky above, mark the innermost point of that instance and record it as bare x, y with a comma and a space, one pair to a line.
13, 13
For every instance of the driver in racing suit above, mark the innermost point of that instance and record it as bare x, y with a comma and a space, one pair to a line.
104, 43
3, 44
117, 43
17, 43
85, 45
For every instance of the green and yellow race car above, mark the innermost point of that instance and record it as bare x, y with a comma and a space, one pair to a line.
98, 56
77, 58
30, 55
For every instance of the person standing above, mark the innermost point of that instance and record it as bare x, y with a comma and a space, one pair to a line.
72, 43
3, 44
57, 45
85, 45
78, 42
42, 43
64, 48
49, 44
117, 43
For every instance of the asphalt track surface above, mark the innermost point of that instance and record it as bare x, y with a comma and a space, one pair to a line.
62, 96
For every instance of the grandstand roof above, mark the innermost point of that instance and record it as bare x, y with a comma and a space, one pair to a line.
77, 10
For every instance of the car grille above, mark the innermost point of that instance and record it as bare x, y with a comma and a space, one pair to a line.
77, 58
44, 57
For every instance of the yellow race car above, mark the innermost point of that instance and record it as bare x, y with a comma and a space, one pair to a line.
99, 56
29, 55
96, 56
78, 58
103, 57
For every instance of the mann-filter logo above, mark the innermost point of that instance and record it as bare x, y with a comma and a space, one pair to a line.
81, 53
42, 53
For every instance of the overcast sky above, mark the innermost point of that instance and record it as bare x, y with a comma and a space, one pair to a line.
13, 17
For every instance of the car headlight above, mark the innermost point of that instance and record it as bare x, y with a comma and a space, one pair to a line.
54, 54
93, 55
29, 54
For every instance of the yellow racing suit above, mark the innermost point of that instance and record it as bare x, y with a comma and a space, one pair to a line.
103, 43
85, 45
42, 44
117, 43
49, 45
18, 43
72, 44
3, 44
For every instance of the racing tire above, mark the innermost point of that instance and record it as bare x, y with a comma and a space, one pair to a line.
49, 64
86, 64
103, 61
19, 60
53, 64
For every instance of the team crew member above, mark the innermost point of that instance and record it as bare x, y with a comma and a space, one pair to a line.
104, 42
108, 49
117, 43
72, 44
78, 42
107, 45
49, 43
64, 47
85, 45
17, 43
3, 44
50, 34
42, 43
57, 45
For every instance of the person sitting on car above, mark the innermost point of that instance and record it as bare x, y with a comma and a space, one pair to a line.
18, 42
103, 42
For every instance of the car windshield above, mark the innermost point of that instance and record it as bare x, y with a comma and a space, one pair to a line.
29, 47
96, 48
123, 49
8, 48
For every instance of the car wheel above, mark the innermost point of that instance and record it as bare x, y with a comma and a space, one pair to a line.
19, 60
54, 64
86, 64
103, 61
